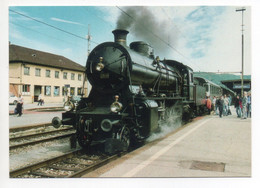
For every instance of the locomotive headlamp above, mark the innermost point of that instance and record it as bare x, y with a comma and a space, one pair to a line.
100, 66
116, 106
68, 106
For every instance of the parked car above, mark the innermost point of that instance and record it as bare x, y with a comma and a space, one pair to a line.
12, 99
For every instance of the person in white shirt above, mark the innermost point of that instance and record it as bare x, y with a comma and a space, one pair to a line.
19, 105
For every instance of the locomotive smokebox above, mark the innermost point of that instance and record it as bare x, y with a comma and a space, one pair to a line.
120, 36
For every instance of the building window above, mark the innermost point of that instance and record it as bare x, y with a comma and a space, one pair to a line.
79, 90
57, 74
65, 74
47, 90
37, 72
72, 91
26, 70
48, 73
56, 91
72, 76
79, 77
64, 91
26, 90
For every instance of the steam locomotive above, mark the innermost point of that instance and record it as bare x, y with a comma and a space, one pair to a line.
131, 91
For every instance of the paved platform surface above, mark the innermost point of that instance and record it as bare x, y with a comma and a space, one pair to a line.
31, 117
209, 147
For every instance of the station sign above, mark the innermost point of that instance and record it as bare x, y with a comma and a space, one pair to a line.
238, 86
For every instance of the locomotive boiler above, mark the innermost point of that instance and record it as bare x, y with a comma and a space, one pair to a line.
131, 91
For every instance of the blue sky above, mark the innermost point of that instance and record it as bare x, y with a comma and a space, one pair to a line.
206, 38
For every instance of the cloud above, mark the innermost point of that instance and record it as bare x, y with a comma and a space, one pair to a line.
65, 21
203, 21
110, 13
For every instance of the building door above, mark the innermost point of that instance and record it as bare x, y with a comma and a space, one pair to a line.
13, 88
37, 92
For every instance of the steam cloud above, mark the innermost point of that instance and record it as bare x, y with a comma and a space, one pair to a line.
146, 26
171, 122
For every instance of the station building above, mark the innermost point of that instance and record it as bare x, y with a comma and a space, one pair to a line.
228, 81
33, 72
236, 85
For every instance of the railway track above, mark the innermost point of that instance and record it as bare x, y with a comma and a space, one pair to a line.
37, 134
70, 165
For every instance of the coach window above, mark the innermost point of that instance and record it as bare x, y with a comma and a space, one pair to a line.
185, 79
191, 77
26, 70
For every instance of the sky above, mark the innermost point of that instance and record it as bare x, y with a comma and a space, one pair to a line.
206, 38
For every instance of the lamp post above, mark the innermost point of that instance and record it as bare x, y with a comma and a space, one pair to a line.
242, 79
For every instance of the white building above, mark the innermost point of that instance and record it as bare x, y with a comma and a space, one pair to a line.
33, 72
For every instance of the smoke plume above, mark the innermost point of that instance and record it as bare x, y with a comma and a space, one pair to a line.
145, 25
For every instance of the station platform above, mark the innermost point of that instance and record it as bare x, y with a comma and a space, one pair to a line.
32, 115
207, 147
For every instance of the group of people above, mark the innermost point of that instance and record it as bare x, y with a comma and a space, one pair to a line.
243, 106
221, 105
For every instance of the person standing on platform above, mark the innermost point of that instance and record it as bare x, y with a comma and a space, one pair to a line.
244, 105
249, 105
19, 105
220, 103
214, 104
208, 103
225, 110
237, 106
229, 104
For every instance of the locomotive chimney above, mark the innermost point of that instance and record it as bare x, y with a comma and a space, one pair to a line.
120, 36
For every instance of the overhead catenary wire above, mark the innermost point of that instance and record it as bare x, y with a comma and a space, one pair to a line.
54, 27
36, 31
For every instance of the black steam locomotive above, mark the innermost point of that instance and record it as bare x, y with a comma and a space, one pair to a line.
131, 91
